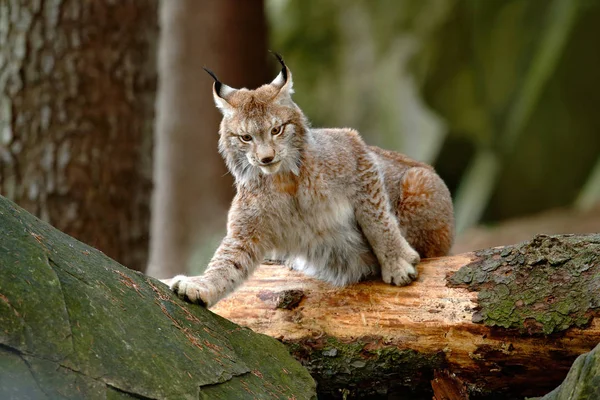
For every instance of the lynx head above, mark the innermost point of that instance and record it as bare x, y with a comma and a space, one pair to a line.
263, 130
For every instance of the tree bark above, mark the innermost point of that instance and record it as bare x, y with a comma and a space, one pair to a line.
504, 322
193, 189
77, 84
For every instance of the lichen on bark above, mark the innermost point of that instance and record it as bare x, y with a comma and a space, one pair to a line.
76, 324
543, 286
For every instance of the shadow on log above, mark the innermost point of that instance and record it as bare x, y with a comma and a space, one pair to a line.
75, 324
582, 381
503, 323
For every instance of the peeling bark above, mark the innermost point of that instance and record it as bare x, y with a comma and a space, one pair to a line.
77, 84
544, 286
447, 386
506, 322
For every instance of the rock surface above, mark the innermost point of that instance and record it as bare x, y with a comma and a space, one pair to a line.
75, 324
582, 381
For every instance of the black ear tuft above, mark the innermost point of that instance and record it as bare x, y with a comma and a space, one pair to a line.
284, 67
217, 82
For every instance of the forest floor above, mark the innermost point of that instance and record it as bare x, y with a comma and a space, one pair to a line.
520, 229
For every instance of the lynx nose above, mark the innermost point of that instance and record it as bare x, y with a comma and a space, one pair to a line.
265, 154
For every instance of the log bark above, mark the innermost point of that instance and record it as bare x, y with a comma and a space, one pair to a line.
505, 322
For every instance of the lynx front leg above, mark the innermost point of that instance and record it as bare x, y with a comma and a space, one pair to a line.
373, 213
231, 265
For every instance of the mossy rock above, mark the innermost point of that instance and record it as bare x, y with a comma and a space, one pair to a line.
75, 324
582, 381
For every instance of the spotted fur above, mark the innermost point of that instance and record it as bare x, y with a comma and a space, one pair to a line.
334, 207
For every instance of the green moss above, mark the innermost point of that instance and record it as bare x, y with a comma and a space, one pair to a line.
503, 313
82, 326
582, 381
546, 285
367, 368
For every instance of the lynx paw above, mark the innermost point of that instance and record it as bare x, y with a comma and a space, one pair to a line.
400, 273
411, 256
191, 289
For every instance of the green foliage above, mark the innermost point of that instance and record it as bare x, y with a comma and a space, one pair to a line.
515, 80
350, 70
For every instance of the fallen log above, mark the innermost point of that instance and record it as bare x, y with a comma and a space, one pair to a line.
504, 323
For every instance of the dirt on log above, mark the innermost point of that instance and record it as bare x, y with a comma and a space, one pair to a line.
75, 324
504, 323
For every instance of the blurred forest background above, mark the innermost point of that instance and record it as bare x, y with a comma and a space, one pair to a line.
109, 132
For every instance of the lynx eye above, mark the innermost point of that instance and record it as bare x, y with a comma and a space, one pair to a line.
277, 130
245, 138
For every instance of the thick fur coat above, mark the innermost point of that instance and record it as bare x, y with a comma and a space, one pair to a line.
332, 206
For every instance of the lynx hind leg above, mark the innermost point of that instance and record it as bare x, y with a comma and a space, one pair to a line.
425, 212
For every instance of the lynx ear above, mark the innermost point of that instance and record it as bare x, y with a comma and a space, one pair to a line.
221, 93
283, 82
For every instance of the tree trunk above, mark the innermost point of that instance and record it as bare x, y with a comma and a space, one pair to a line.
504, 322
77, 84
75, 324
193, 189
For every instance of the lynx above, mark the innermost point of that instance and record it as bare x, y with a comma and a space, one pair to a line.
332, 206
